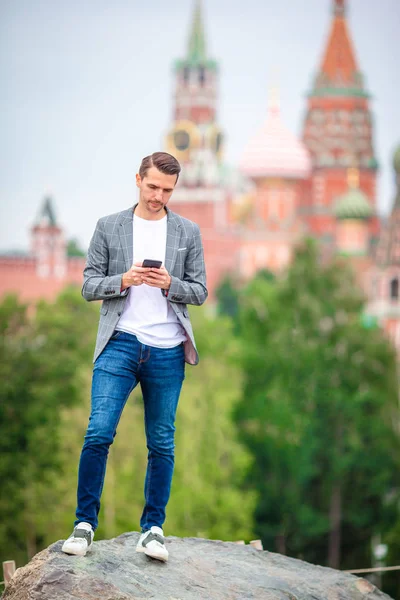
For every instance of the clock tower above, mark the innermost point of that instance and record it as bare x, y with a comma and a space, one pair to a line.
338, 132
205, 190
195, 138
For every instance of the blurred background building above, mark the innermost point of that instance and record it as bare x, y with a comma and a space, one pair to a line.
253, 215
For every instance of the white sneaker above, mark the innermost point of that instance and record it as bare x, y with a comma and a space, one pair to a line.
80, 540
151, 542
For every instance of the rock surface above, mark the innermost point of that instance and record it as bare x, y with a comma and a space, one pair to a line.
197, 569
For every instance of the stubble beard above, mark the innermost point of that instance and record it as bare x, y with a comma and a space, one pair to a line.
157, 208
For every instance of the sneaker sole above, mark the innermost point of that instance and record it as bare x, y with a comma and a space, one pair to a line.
73, 551
148, 553
163, 557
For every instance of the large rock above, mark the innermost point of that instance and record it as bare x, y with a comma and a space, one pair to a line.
197, 569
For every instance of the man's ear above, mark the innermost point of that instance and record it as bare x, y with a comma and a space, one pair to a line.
138, 180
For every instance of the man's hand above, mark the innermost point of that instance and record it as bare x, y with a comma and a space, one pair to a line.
134, 276
159, 278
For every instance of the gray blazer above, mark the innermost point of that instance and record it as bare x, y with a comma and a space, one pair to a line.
110, 255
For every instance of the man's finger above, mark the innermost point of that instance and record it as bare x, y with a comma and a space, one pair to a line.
136, 269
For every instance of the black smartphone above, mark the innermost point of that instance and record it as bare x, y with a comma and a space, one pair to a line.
149, 262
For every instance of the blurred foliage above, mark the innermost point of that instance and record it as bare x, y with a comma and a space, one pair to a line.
74, 249
40, 369
319, 414
227, 295
287, 429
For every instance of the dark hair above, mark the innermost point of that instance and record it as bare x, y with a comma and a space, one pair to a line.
164, 162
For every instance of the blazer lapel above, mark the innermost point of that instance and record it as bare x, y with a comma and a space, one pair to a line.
125, 231
173, 238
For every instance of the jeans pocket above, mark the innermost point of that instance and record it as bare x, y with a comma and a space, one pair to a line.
115, 335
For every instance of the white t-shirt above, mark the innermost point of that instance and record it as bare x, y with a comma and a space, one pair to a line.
147, 313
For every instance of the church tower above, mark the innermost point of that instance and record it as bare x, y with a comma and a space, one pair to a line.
196, 79
195, 137
48, 244
338, 132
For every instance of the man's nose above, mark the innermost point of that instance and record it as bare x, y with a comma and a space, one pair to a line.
159, 195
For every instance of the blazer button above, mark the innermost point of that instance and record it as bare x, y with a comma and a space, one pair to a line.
119, 313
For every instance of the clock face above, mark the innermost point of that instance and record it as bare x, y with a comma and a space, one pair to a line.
181, 139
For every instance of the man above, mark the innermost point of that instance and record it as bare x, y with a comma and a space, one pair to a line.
145, 337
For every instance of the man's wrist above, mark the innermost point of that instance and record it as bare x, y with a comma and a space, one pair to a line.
123, 283
168, 283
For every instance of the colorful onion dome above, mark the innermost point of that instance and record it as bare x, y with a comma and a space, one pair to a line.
354, 203
274, 151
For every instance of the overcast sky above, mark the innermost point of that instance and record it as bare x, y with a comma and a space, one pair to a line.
87, 91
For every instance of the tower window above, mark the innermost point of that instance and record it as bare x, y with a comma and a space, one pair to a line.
394, 289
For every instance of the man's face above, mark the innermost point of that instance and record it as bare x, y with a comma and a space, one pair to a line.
155, 190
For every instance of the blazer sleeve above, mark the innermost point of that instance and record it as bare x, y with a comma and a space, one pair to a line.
192, 289
97, 284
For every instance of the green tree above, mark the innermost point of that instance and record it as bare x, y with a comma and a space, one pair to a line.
16, 364
317, 413
74, 249
40, 364
227, 295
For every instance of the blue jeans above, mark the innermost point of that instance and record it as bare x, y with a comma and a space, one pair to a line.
123, 364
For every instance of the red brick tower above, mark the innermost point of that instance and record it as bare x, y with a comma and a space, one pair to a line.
47, 269
338, 132
48, 244
195, 138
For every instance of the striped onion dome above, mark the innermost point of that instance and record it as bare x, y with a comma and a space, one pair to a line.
353, 205
274, 151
